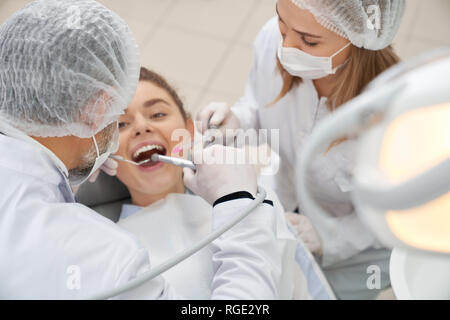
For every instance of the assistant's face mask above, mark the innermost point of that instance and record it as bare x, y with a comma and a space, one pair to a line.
301, 64
113, 147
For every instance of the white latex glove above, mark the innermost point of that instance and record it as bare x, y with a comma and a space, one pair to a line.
109, 167
214, 181
304, 230
218, 114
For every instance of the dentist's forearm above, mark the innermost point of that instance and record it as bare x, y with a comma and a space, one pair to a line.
246, 261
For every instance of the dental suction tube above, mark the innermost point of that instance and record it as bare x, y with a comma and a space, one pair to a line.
157, 271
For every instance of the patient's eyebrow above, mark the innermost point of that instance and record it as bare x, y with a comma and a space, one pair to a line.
152, 102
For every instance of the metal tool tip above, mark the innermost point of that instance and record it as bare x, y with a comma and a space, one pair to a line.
155, 157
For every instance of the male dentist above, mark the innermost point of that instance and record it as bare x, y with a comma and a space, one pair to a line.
68, 69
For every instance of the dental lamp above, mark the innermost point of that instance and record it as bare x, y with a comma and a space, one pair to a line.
402, 173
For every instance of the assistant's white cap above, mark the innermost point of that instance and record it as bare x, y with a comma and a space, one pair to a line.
368, 24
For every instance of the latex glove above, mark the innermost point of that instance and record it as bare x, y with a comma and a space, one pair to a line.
218, 114
109, 167
305, 230
213, 181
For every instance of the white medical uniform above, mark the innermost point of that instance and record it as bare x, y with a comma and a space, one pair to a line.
182, 220
54, 248
351, 248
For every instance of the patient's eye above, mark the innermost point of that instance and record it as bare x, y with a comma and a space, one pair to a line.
122, 125
158, 115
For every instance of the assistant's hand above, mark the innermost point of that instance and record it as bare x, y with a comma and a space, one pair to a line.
214, 181
217, 114
109, 167
305, 231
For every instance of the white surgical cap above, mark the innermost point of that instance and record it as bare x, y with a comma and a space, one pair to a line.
67, 67
369, 24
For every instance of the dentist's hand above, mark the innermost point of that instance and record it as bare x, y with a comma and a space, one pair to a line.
218, 114
305, 230
214, 181
109, 167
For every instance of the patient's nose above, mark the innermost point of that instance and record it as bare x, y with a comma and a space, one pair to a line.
141, 126
139, 132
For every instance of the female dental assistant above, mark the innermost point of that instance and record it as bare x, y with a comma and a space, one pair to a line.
309, 60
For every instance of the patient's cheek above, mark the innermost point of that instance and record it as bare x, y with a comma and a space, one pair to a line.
123, 173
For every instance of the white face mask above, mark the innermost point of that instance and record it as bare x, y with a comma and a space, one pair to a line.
100, 159
301, 64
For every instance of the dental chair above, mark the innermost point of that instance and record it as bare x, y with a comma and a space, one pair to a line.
106, 196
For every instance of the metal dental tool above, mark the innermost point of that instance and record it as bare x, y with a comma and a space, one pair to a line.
211, 139
159, 158
119, 158
175, 161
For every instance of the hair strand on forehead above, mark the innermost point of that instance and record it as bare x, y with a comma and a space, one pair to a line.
159, 81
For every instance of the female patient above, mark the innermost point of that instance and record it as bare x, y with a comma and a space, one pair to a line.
160, 201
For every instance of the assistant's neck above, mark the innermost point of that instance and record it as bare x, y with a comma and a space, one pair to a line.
324, 86
143, 199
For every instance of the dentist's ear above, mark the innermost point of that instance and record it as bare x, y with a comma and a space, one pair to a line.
98, 107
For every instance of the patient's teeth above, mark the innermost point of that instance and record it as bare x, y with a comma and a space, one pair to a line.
147, 148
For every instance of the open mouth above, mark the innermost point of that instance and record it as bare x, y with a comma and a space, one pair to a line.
144, 154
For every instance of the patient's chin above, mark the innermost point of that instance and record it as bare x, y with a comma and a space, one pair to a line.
159, 182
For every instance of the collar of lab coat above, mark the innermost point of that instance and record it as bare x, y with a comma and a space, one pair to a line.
26, 155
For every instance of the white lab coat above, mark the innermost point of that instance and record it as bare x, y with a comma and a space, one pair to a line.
182, 220
54, 248
296, 115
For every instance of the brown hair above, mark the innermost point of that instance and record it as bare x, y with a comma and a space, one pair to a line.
159, 81
362, 67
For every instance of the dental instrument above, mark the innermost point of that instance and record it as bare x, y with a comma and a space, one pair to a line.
210, 140
122, 159
402, 173
159, 158
175, 161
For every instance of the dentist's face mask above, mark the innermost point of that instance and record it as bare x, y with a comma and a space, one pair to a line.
301, 64
80, 175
